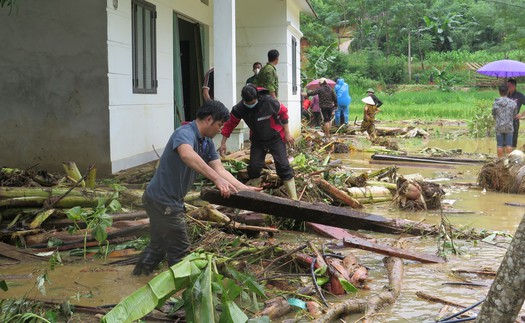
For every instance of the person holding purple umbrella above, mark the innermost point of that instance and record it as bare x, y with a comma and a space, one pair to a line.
504, 110
327, 103
519, 98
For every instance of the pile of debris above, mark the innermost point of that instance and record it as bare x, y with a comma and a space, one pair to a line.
47, 212
504, 174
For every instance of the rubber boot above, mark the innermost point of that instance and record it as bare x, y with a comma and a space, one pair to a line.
256, 182
146, 264
290, 188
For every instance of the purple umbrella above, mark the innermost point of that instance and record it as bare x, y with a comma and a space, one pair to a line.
504, 68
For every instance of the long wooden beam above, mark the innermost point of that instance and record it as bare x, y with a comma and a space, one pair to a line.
364, 244
340, 217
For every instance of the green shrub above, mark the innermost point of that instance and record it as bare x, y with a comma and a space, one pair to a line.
482, 122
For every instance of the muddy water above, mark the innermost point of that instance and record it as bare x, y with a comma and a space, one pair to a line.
474, 208
93, 284
89, 283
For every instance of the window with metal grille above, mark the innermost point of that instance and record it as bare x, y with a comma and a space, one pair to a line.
144, 17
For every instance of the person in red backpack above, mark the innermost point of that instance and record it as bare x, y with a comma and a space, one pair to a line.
269, 133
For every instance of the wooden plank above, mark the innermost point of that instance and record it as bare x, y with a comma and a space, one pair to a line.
10, 255
340, 217
422, 159
390, 251
351, 240
329, 231
408, 164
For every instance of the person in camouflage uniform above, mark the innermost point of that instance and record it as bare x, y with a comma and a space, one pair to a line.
369, 117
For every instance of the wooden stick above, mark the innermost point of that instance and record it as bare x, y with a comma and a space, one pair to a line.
437, 299
477, 272
271, 264
338, 194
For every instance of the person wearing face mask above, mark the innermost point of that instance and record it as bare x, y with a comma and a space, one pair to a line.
269, 133
256, 68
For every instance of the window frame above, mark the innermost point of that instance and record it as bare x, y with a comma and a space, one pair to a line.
144, 47
294, 65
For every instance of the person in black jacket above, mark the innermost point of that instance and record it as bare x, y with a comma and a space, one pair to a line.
327, 103
269, 132
519, 98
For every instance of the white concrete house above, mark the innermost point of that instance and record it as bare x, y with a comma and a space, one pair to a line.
106, 82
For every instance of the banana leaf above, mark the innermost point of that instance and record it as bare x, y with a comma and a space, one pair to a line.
155, 293
230, 311
198, 299
248, 282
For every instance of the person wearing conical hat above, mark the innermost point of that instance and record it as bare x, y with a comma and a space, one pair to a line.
370, 92
369, 116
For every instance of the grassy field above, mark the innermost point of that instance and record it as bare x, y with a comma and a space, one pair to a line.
426, 103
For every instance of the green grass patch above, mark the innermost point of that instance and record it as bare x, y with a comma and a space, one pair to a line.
427, 104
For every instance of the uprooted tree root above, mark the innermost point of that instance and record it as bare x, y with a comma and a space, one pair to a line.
341, 148
416, 195
386, 142
496, 176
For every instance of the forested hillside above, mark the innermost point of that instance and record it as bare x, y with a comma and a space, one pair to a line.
440, 36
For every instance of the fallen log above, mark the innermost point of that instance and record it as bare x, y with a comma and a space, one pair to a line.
364, 244
423, 159
119, 229
65, 222
77, 245
409, 164
10, 255
317, 213
275, 307
338, 194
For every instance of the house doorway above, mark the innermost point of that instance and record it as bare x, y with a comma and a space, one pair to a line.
188, 71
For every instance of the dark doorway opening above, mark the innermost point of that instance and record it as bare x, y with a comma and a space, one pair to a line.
188, 70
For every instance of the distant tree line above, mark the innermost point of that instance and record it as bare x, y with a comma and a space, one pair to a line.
386, 29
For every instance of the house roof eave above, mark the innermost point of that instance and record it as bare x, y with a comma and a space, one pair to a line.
307, 8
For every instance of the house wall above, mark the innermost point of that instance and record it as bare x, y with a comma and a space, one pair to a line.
265, 25
54, 85
67, 66
139, 122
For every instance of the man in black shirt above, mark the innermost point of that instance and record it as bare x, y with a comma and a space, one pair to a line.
519, 98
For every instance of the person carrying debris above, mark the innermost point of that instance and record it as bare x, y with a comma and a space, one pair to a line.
190, 150
504, 110
369, 117
269, 132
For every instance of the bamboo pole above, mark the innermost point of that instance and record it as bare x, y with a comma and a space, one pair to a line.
47, 192
391, 186
373, 200
216, 215
338, 194
369, 192
73, 173
91, 176
66, 202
